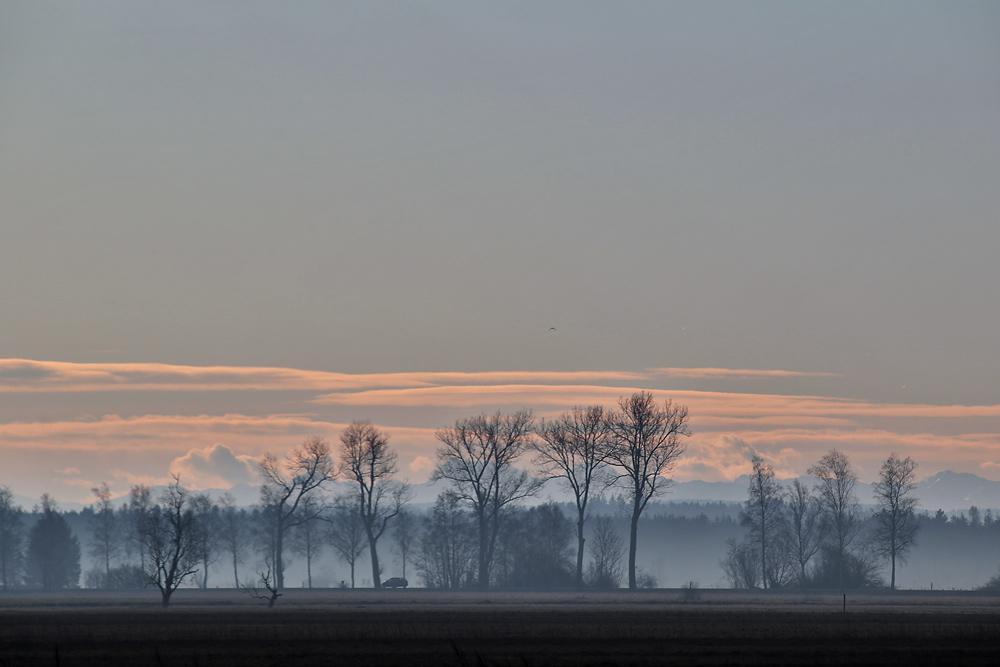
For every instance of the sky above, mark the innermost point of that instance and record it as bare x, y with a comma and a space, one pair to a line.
230, 226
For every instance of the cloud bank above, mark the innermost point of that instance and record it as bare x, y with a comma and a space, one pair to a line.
218, 450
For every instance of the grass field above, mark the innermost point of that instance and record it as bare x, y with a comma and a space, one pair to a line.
417, 627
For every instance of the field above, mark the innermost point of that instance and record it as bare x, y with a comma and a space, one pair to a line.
415, 627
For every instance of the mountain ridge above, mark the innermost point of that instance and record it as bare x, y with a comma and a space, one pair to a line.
947, 490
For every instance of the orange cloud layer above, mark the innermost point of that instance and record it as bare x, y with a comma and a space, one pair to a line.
208, 451
717, 405
730, 373
792, 432
23, 375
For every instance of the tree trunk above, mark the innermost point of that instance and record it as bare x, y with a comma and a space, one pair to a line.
165, 597
892, 553
279, 566
579, 551
376, 579
236, 573
840, 564
763, 562
633, 533
484, 577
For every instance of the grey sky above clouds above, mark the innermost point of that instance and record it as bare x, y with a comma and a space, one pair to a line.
386, 187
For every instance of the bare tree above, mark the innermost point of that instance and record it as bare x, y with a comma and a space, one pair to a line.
762, 516
169, 538
347, 532
266, 580
307, 537
404, 533
534, 549
234, 533
574, 448
895, 522
477, 456
802, 527
104, 537
741, 565
839, 506
645, 445
140, 503
367, 462
207, 533
286, 484
446, 554
11, 538
607, 549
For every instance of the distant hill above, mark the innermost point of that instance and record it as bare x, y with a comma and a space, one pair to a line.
952, 491
947, 490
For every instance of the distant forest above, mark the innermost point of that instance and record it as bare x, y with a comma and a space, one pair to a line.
680, 543
484, 532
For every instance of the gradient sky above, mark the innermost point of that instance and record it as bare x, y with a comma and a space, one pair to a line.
229, 226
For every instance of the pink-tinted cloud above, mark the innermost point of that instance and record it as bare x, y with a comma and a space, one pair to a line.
214, 467
732, 373
476, 396
207, 450
422, 465
792, 451
23, 375
790, 431
710, 405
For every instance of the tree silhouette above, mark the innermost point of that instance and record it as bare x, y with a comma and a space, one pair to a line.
839, 507
234, 532
105, 539
169, 537
286, 484
11, 538
575, 448
895, 523
762, 516
646, 443
803, 527
404, 534
368, 464
347, 532
53, 550
478, 457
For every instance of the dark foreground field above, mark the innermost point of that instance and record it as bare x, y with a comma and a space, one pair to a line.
429, 628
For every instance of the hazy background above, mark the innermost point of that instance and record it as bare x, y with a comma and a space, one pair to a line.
379, 188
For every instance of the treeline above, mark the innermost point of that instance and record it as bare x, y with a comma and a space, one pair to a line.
683, 542
479, 532
184, 538
821, 537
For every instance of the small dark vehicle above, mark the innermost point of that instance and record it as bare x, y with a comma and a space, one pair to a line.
395, 582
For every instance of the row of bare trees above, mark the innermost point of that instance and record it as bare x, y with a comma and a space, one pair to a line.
634, 447
291, 494
176, 537
788, 528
